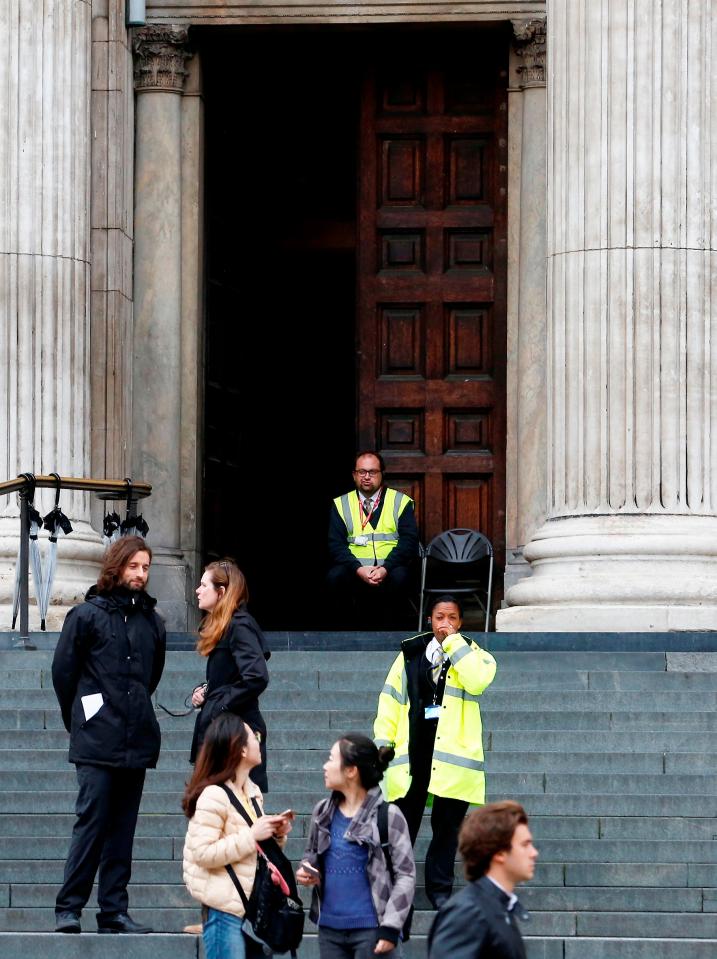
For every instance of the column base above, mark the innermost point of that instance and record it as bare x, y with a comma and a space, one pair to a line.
610, 573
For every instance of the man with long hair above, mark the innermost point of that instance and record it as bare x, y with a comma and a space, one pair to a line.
107, 664
479, 922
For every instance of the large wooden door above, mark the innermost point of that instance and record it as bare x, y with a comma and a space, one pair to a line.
432, 276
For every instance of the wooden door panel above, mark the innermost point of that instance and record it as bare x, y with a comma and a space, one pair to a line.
431, 277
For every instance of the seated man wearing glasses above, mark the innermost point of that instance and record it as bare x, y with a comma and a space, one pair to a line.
373, 543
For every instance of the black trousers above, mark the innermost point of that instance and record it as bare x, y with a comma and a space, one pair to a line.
102, 837
446, 818
352, 602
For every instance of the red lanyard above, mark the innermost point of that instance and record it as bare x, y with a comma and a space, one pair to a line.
370, 512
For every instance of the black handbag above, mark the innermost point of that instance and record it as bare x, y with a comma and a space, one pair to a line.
272, 917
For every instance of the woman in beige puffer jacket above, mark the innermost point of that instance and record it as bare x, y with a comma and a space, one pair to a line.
218, 835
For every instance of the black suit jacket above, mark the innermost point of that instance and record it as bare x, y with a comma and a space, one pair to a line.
476, 924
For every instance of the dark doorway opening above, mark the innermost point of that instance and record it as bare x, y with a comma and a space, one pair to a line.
356, 200
280, 416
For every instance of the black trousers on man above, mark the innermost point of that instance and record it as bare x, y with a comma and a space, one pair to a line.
446, 818
386, 606
102, 837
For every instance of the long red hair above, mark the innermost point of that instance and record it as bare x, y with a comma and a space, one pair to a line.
223, 573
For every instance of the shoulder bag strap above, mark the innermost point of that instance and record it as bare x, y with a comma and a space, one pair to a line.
382, 818
232, 875
238, 806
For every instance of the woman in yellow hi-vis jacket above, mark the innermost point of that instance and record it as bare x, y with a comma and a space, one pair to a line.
428, 709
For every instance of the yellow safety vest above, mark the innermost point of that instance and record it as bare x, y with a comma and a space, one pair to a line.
372, 546
457, 766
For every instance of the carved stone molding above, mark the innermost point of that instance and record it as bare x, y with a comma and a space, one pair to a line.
160, 55
530, 43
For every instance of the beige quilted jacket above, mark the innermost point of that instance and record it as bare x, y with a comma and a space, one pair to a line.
218, 835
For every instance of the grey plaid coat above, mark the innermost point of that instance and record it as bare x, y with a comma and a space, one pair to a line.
392, 902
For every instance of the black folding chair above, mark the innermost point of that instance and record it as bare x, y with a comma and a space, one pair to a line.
463, 558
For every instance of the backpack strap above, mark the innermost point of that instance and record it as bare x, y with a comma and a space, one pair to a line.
382, 818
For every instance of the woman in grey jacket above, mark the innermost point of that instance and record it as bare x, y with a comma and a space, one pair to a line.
360, 904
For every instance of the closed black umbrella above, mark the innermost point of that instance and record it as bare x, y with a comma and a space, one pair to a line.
58, 525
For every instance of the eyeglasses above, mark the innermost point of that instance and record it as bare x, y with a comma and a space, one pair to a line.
367, 472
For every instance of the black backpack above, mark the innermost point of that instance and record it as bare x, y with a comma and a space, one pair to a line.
382, 819
271, 918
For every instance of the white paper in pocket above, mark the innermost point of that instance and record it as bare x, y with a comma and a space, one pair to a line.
92, 704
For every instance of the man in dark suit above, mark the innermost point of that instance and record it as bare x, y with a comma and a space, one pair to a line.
480, 921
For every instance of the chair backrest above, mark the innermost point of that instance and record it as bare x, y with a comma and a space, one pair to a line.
459, 546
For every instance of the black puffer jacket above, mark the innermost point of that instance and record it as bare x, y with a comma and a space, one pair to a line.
236, 676
113, 644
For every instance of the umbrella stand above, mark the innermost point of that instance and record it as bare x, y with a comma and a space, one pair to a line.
24, 486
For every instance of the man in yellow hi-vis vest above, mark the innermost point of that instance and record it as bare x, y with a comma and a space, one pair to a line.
428, 709
373, 542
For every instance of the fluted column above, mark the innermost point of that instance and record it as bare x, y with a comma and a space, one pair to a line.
160, 70
526, 498
44, 277
631, 542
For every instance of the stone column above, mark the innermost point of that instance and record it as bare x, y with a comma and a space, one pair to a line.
160, 70
631, 542
526, 495
44, 278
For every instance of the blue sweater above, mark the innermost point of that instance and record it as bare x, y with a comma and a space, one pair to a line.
346, 902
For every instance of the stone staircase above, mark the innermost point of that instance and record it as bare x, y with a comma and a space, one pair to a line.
612, 753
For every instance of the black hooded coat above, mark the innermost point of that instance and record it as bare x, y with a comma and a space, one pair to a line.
112, 644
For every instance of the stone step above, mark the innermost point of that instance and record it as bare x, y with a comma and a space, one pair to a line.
529, 701
551, 850
535, 898
618, 740
18, 722
189, 662
30, 773
150, 872
559, 924
361, 679
567, 804
543, 827
168, 946
29, 945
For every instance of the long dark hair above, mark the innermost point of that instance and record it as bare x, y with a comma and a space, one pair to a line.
371, 761
116, 558
223, 573
218, 758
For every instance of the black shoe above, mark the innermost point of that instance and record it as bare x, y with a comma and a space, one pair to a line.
120, 923
67, 922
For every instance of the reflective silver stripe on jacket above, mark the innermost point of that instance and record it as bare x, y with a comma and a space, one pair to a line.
461, 694
401, 698
459, 654
374, 538
401, 761
369, 561
397, 506
458, 760
382, 742
346, 510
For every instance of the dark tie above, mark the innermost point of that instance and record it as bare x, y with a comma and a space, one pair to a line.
366, 507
